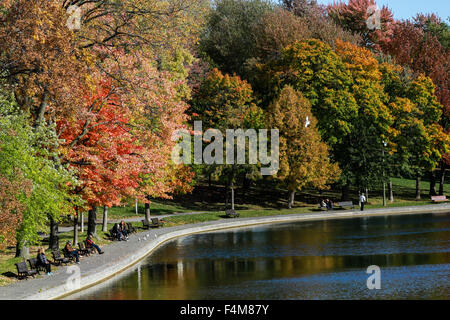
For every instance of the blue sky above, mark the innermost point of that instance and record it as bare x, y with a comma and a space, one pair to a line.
405, 9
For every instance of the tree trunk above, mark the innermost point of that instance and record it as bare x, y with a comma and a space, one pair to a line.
432, 184
291, 199
232, 195
209, 179
391, 193
19, 242
345, 192
75, 228
53, 241
147, 212
105, 219
92, 217
82, 222
442, 179
418, 188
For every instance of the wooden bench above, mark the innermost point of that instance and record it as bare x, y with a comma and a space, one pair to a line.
83, 250
231, 213
23, 271
346, 204
35, 266
58, 259
155, 223
130, 228
439, 198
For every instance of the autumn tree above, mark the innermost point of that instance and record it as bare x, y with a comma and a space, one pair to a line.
304, 157
319, 23
419, 140
358, 17
40, 61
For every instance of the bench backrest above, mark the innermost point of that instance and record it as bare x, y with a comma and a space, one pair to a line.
81, 245
32, 262
438, 198
345, 203
21, 267
155, 220
56, 254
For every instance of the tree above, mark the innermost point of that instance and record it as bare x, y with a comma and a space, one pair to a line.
304, 157
423, 53
319, 23
226, 102
228, 38
40, 61
29, 160
356, 16
419, 142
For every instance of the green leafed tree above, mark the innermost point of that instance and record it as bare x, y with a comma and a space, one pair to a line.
31, 155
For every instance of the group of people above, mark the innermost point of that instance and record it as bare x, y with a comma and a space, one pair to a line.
43, 261
120, 231
327, 203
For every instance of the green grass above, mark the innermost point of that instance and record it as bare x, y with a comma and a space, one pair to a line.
156, 208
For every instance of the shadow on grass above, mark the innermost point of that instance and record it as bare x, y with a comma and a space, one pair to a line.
10, 274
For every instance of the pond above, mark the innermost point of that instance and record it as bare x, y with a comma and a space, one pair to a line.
304, 260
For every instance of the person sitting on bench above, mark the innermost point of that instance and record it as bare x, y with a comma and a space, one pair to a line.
42, 261
123, 229
116, 232
330, 205
72, 252
90, 243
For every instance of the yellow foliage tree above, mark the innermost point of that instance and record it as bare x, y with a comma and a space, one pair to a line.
304, 157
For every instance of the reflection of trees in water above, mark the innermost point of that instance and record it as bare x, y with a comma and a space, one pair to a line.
194, 265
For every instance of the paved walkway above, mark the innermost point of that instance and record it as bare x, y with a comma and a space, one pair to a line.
120, 255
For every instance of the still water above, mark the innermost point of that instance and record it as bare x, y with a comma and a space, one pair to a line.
305, 260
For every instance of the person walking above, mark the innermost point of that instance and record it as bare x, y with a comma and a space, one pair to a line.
362, 200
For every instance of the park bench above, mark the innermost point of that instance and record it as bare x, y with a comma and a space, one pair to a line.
346, 204
130, 228
91, 249
58, 259
23, 271
231, 213
83, 250
113, 235
67, 255
35, 266
439, 198
155, 223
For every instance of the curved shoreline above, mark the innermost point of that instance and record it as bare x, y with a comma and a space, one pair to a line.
119, 257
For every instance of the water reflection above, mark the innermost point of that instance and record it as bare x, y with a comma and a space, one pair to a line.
313, 260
